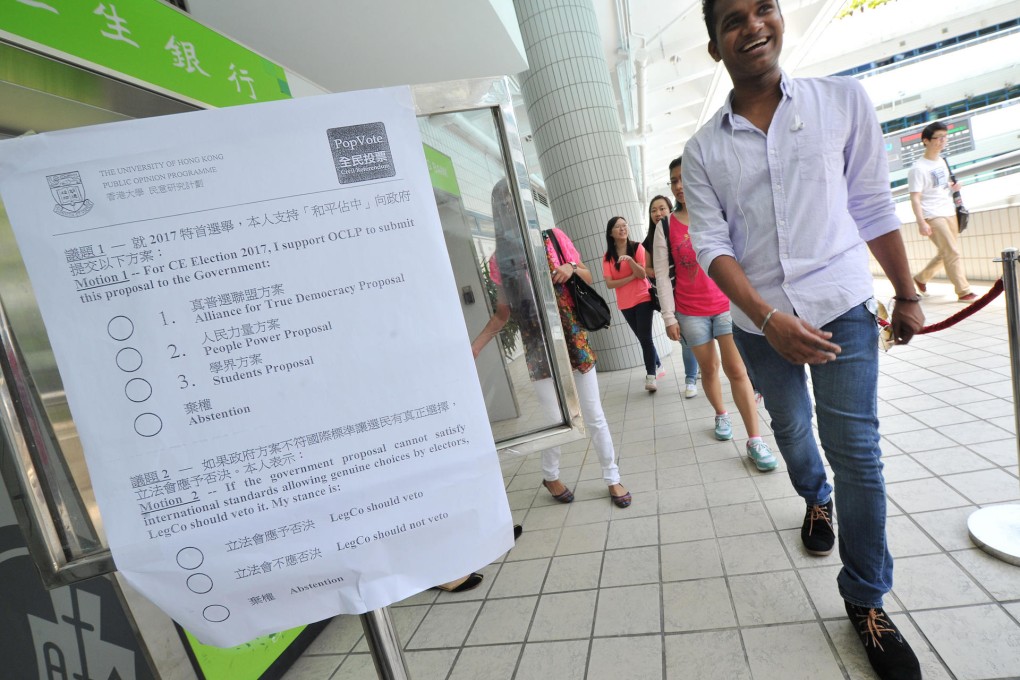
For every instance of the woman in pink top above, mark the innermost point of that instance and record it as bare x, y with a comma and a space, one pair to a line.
624, 270
699, 311
508, 271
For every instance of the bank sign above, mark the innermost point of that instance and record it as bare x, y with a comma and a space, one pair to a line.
151, 43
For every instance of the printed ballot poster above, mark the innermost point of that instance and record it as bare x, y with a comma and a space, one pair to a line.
256, 323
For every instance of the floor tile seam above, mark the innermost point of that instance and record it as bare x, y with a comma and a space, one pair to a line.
531, 621
527, 632
788, 550
972, 501
991, 462
969, 503
1015, 618
733, 606
924, 637
974, 579
926, 533
1000, 606
435, 603
334, 675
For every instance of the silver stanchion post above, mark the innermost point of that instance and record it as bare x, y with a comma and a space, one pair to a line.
996, 529
384, 645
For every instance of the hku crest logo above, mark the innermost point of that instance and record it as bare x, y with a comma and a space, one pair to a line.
69, 193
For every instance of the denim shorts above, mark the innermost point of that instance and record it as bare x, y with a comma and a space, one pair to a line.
697, 330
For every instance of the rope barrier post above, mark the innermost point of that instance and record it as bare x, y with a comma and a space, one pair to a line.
384, 644
996, 529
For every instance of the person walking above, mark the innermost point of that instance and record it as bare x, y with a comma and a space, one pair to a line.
788, 189
931, 197
659, 209
623, 268
697, 310
508, 271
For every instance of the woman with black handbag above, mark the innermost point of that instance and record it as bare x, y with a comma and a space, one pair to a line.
507, 271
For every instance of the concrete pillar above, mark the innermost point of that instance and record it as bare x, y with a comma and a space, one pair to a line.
570, 102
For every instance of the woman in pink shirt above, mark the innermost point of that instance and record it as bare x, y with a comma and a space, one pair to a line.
624, 270
699, 311
508, 271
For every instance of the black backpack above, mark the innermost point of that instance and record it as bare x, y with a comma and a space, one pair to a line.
647, 245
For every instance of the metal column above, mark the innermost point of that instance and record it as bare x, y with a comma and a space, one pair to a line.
996, 529
384, 645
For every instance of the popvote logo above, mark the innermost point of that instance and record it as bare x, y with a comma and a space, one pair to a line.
361, 152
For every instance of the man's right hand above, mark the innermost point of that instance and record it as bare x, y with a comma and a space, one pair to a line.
924, 228
673, 331
798, 341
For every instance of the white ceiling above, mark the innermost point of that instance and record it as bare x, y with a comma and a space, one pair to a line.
656, 51
683, 86
360, 44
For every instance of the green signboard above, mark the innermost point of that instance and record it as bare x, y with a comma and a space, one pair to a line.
265, 657
441, 171
150, 42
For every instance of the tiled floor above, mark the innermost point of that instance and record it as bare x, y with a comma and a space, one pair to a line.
704, 576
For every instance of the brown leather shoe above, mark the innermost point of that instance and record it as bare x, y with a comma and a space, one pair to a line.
922, 288
969, 297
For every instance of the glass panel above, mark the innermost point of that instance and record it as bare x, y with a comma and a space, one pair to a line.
37, 399
41, 458
487, 245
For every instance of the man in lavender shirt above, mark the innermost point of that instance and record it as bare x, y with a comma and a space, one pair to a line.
788, 189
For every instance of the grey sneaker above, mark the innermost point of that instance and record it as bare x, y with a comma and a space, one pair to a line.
723, 429
762, 456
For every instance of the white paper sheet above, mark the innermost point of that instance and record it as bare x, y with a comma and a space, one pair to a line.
255, 320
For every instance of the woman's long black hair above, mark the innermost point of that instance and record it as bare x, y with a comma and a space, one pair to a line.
611, 243
651, 222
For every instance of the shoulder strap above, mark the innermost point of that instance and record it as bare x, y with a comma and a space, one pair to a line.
952, 177
556, 244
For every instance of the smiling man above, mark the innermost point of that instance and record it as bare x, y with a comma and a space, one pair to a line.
788, 188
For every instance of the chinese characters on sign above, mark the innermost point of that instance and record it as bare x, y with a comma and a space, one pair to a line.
150, 41
267, 365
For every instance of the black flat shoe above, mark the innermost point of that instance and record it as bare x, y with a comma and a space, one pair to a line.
471, 582
518, 530
888, 652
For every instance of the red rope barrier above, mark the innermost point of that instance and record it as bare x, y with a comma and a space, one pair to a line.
972, 308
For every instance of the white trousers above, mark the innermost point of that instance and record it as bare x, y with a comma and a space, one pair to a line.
594, 421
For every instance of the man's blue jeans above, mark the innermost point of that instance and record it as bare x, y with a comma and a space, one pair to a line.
846, 401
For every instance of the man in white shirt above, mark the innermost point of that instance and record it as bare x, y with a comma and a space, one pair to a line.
788, 189
931, 197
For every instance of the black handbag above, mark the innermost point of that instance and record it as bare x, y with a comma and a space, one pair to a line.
962, 214
592, 310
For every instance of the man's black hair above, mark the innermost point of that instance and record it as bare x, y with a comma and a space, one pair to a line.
708, 9
676, 162
929, 131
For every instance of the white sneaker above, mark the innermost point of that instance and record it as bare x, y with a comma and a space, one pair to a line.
650, 383
691, 390
660, 372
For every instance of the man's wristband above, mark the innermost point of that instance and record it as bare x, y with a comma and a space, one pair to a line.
912, 298
768, 317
